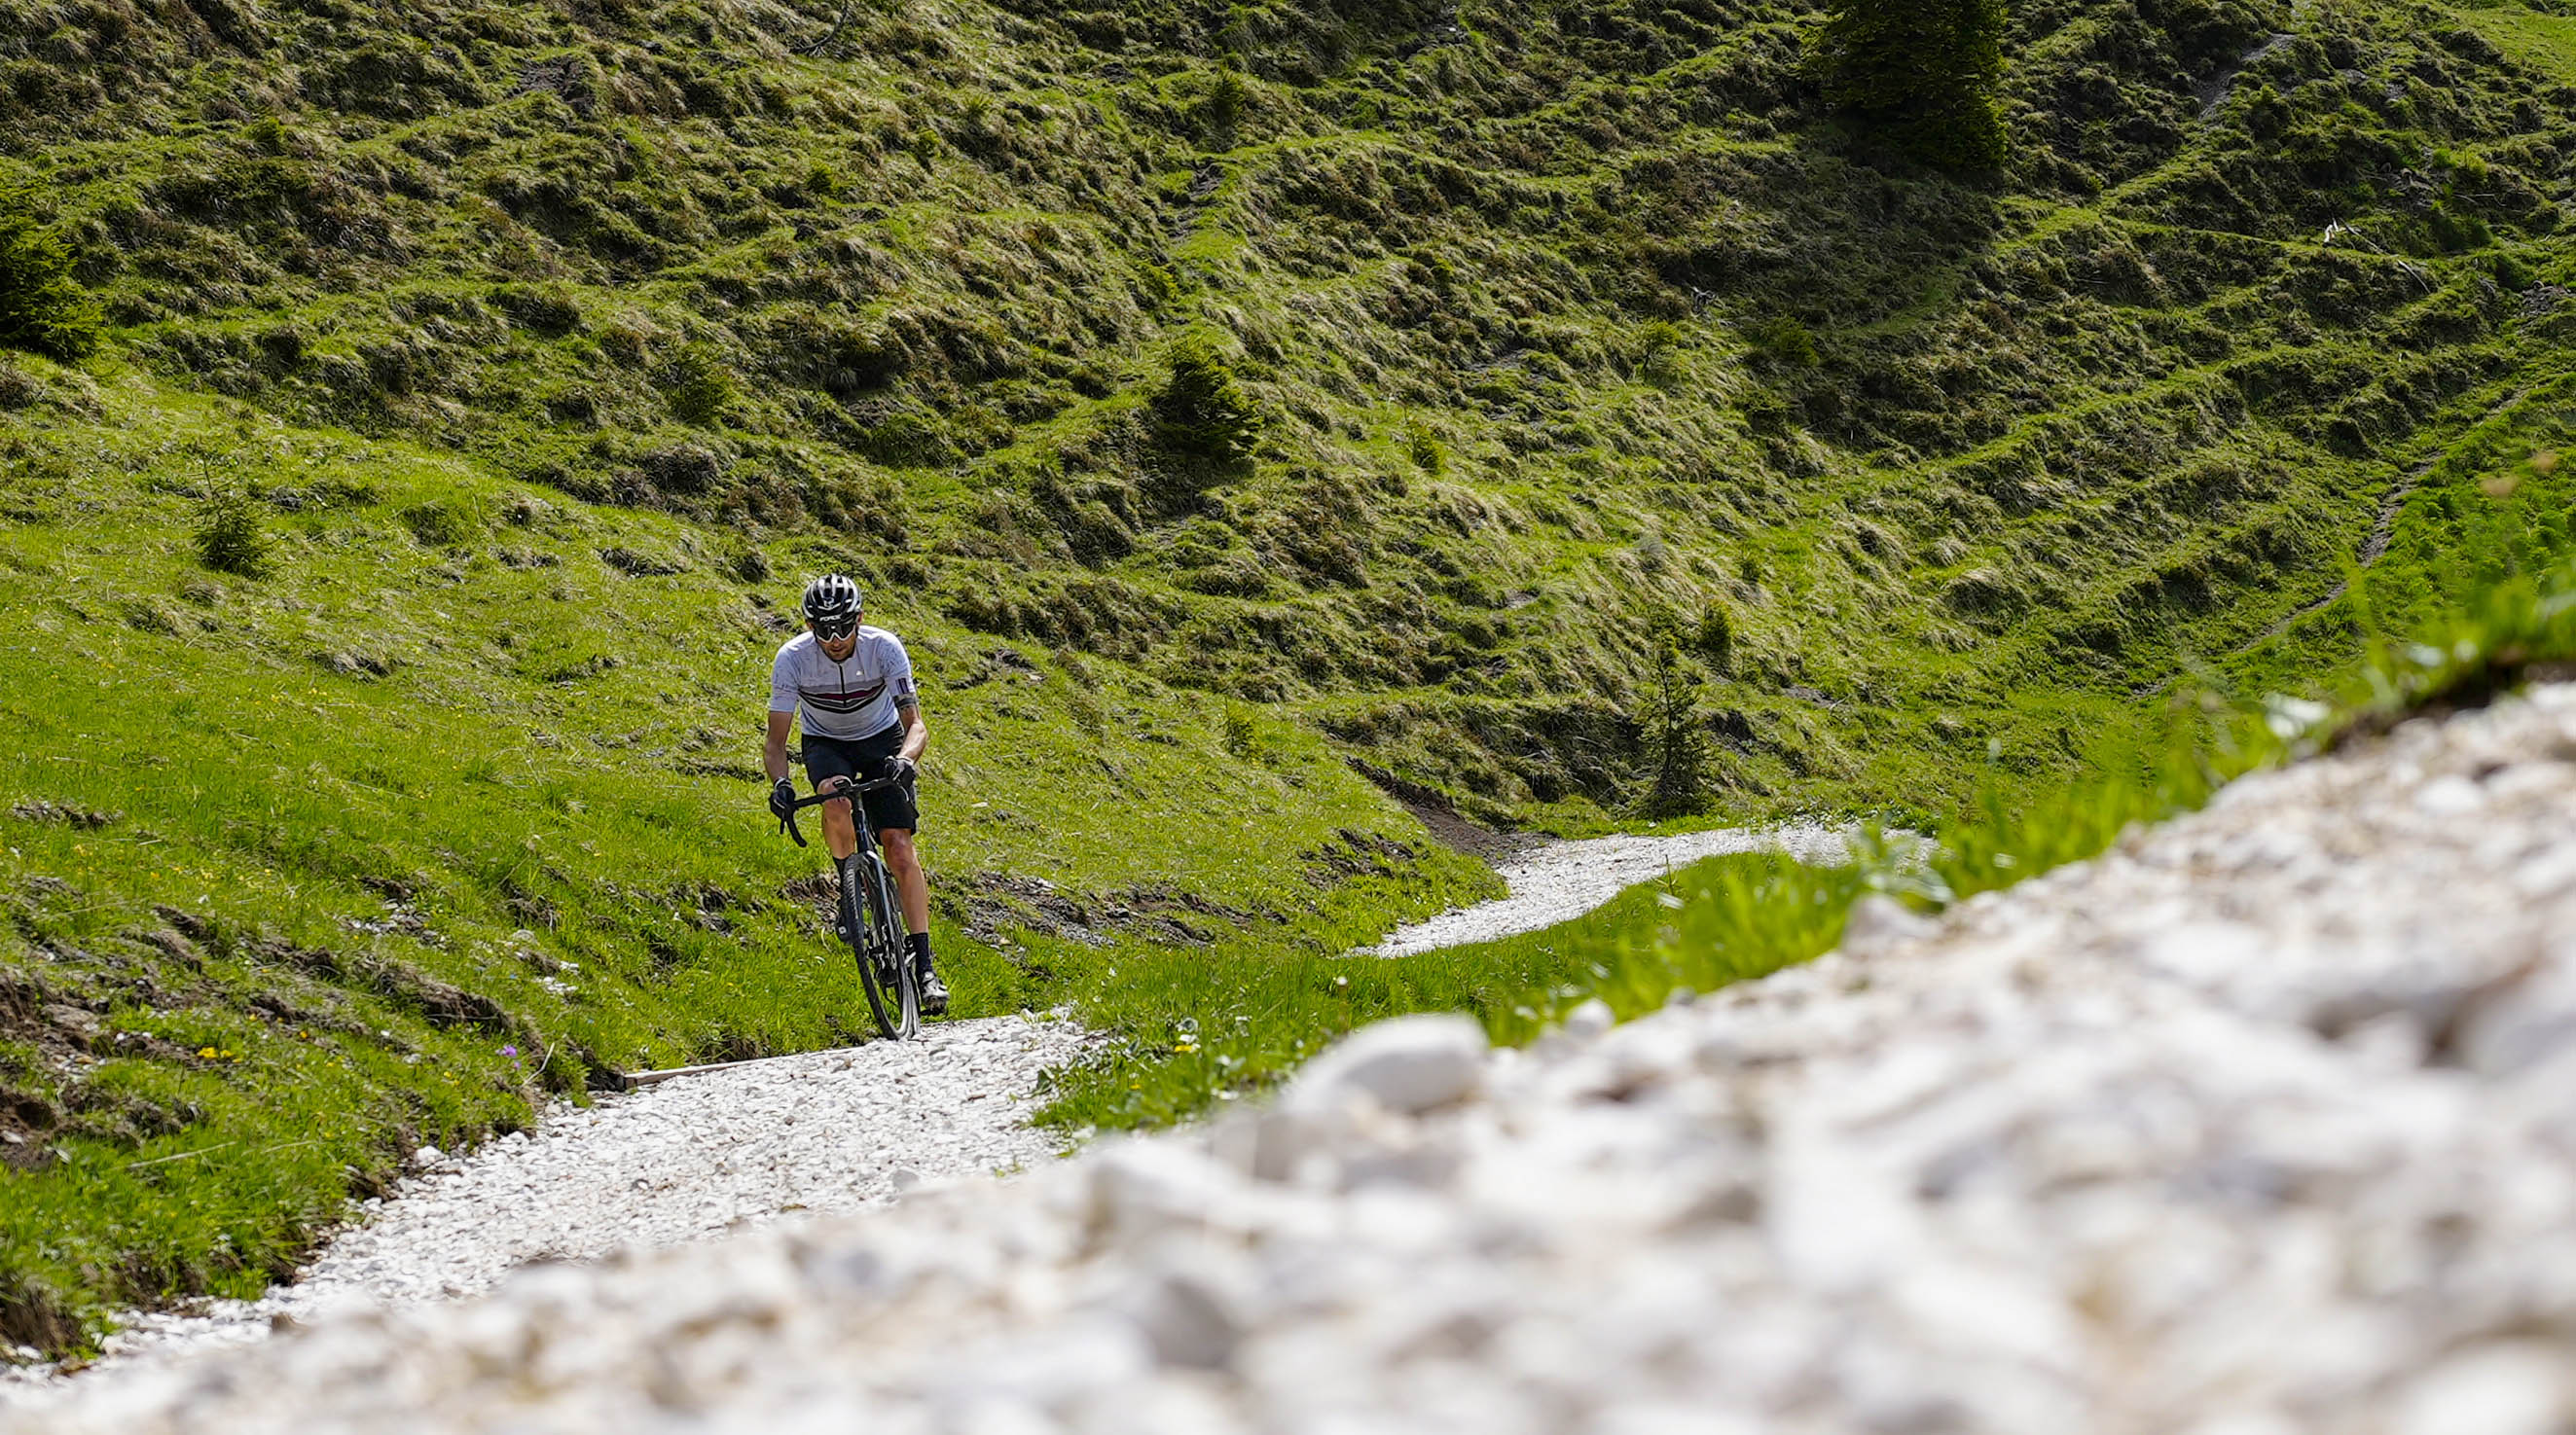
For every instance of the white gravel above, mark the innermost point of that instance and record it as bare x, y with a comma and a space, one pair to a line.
662, 1166
1563, 880
2263, 1124
834, 1131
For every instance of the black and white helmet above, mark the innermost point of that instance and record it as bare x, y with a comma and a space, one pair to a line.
832, 606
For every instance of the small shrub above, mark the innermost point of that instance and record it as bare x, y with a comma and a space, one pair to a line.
1676, 739
1225, 102
1786, 340
1426, 450
1202, 415
1715, 639
230, 538
43, 310
697, 384
1242, 733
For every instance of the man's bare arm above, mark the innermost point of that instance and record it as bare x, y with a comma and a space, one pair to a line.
915, 735
773, 759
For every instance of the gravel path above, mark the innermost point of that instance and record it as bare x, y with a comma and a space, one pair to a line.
1563, 880
688, 1158
663, 1166
2262, 1124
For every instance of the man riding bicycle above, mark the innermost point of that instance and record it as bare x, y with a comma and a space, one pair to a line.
853, 686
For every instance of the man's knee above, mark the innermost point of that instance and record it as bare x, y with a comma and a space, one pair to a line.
897, 842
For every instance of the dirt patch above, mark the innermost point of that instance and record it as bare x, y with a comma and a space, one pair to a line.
445, 1005
999, 900
42, 811
995, 902
1354, 854
1448, 827
1001, 662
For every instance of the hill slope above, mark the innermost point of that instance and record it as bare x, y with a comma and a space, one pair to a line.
1216, 396
1551, 322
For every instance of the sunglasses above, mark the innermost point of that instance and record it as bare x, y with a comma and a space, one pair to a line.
835, 632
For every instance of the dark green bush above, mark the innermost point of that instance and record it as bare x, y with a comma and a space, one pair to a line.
1786, 340
697, 383
1675, 735
43, 310
230, 538
1201, 414
1426, 450
1715, 640
1225, 102
1926, 70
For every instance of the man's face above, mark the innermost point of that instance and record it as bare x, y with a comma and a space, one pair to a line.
837, 649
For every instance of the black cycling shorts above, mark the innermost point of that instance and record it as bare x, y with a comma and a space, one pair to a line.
864, 759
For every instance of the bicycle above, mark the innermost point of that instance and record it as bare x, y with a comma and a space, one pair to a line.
870, 920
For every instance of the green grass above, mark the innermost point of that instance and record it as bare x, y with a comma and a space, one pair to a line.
920, 288
406, 837
2542, 38
2504, 614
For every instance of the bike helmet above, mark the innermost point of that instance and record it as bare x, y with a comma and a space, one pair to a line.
832, 606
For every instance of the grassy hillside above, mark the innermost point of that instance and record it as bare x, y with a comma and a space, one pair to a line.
1551, 322
1225, 400
459, 807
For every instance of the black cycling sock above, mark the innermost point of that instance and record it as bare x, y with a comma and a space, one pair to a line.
920, 943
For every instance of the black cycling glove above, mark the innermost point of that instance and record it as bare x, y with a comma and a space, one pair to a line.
901, 769
782, 798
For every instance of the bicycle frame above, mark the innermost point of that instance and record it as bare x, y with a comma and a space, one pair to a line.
892, 967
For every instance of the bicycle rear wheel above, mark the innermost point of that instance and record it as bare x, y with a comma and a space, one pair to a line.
907, 982
859, 925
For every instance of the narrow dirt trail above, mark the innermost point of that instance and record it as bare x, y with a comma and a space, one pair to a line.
2374, 546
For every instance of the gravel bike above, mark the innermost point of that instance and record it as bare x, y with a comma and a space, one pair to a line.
870, 920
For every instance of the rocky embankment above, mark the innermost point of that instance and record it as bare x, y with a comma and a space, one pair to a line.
2263, 1123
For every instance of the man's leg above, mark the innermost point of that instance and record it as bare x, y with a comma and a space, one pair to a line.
912, 890
840, 833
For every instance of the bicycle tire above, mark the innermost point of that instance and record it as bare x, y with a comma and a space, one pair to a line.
907, 981
859, 925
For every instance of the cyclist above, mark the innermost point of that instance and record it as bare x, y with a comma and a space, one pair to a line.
853, 686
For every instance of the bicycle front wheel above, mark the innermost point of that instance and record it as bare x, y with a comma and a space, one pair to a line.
907, 981
859, 925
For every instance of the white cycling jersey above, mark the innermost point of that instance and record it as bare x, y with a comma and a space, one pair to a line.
858, 697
